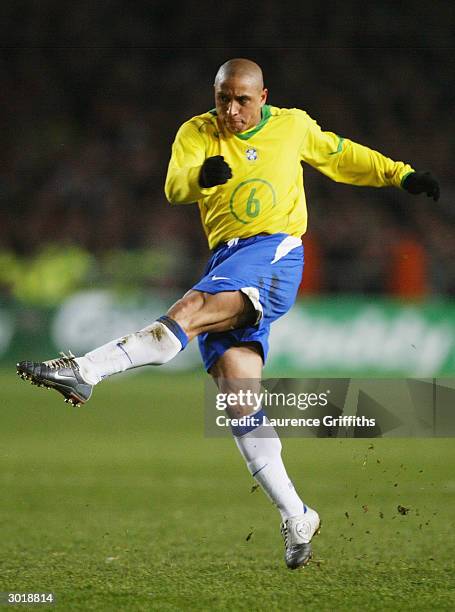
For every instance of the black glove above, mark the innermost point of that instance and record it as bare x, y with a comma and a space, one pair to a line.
422, 182
214, 171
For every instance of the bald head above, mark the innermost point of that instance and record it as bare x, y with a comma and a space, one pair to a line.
241, 68
239, 95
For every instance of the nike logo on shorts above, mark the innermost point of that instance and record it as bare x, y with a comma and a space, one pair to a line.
220, 277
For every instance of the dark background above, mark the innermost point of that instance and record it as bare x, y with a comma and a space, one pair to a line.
92, 94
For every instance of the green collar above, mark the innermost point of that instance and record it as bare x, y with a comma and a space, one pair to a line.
265, 116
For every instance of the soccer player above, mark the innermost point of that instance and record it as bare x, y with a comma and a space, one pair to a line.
242, 163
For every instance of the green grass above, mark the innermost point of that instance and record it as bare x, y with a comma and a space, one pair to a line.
125, 505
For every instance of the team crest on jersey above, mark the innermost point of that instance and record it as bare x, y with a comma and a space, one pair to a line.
251, 154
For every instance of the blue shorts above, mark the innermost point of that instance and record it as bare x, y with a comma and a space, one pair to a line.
268, 269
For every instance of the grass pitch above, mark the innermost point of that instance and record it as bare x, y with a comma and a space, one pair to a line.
125, 505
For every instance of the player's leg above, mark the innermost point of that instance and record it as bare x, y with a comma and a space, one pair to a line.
156, 344
197, 312
240, 368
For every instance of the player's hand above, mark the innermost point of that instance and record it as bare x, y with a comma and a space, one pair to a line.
214, 171
422, 182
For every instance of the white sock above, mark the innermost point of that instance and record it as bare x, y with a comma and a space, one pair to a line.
261, 449
153, 345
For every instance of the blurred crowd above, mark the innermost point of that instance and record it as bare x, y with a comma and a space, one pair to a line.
91, 100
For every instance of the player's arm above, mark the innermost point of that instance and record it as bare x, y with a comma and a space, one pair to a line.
190, 176
346, 161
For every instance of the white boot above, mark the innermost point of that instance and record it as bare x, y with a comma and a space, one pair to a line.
298, 532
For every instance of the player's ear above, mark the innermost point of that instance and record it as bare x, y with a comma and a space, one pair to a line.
264, 94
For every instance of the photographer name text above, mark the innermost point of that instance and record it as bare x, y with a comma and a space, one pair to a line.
327, 421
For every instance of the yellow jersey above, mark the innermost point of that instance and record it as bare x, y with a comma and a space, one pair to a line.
266, 192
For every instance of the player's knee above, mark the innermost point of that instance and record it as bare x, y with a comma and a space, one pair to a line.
185, 308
